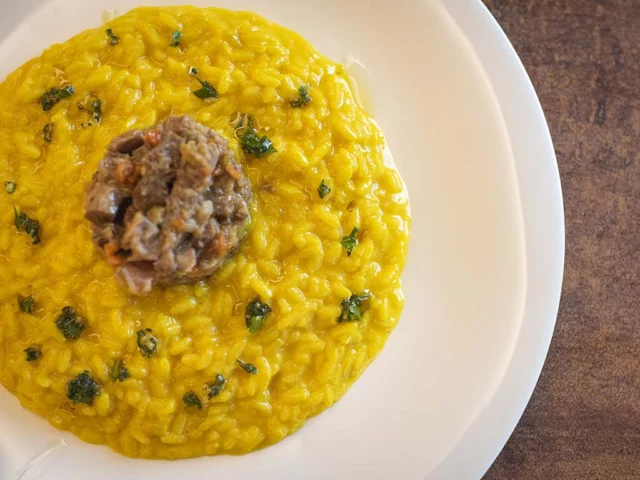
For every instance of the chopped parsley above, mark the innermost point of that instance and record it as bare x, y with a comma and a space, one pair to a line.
303, 97
351, 308
207, 90
256, 314
54, 95
247, 367
47, 132
70, 324
216, 386
323, 189
252, 143
29, 226
33, 353
190, 399
350, 241
10, 186
92, 105
147, 343
175, 38
119, 371
113, 39
26, 304
83, 389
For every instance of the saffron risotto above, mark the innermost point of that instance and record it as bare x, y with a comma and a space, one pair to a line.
292, 259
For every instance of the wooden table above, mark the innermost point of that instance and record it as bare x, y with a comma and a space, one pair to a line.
583, 421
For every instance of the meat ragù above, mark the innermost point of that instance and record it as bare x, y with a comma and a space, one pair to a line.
168, 205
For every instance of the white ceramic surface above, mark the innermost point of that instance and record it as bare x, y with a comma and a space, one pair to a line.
485, 265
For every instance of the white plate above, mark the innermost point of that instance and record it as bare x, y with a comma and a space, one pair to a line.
485, 265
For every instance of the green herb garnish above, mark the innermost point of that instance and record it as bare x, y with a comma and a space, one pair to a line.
216, 386
119, 371
92, 105
70, 323
302, 99
252, 143
351, 308
10, 186
349, 242
247, 367
147, 343
53, 96
83, 389
175, 38
323, 189
26, 304
190, 399
256, 314
207, 90
47, 132
27, 225
33, 353
113, 39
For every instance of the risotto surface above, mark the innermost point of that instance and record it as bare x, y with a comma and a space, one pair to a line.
187, 370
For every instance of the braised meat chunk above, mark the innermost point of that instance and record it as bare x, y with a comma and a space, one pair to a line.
168, 205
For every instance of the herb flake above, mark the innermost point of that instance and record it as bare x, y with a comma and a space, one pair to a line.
302, 99
47, 132
350, 241
92, 105
247, 367
147, 343
256, 314
216, 386
351, 308
252, 143
54, 95
207, 90
190, 399
175, 38
323, 189
29, 226
113, 38
10, 186
119, 371
33, 353
70, 323
83, 389
26, 304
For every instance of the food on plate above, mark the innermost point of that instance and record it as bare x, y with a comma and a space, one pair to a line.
201, 236
168, 205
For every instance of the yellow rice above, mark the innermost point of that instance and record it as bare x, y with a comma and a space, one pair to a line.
292, 258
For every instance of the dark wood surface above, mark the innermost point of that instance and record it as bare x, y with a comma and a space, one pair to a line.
583, 421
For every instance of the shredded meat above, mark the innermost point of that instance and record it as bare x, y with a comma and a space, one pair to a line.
168, 205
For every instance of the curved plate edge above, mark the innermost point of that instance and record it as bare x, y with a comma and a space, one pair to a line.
544, 238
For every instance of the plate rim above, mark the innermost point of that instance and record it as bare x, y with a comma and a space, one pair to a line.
479, 446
